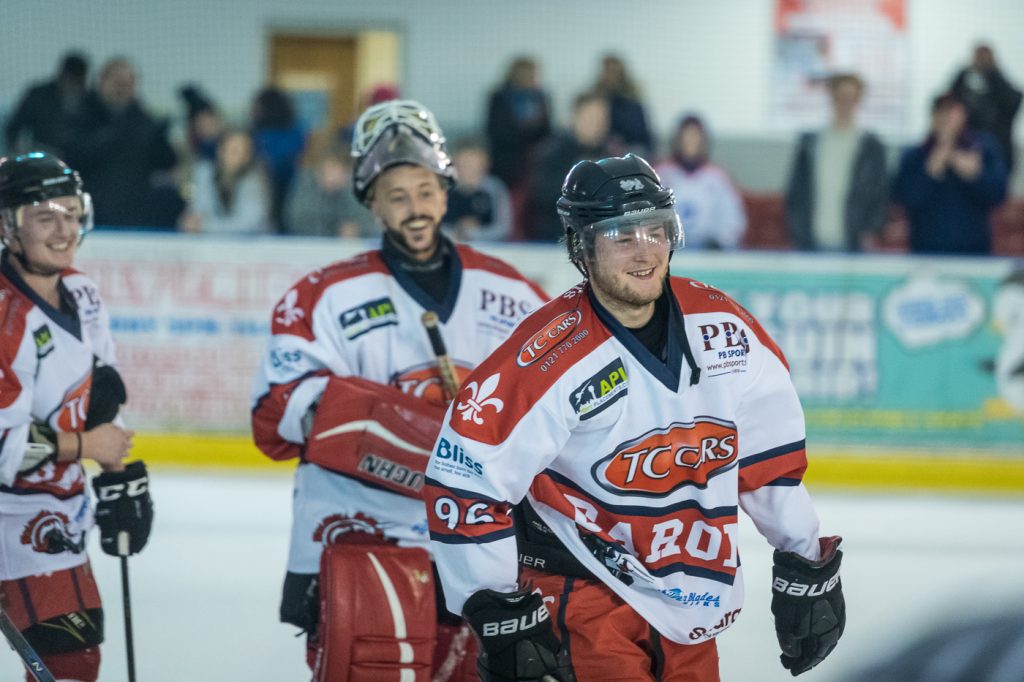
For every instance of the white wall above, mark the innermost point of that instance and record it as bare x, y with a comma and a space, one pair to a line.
687, 54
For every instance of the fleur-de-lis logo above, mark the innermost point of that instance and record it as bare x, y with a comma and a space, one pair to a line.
479, 398
631, 184
289, 313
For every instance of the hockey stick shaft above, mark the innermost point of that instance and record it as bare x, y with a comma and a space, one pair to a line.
33, 663
444, 363
122, 550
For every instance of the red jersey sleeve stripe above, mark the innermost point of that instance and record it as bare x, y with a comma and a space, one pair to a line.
766, 468
266, 416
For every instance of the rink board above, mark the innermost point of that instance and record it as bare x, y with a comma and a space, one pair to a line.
872, 468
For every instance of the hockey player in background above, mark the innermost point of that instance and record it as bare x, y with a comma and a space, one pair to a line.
350, 385
59, 397
628, 420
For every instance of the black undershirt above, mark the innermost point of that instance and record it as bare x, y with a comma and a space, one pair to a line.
432, 276
654, 334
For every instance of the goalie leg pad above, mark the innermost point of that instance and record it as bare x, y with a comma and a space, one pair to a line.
377, 614
82, 665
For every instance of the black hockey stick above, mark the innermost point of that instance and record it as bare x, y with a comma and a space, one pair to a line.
122, 550
35, 666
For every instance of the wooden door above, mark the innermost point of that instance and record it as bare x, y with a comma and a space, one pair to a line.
319, 74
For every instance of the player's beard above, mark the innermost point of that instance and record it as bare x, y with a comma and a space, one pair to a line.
619, 289
397, 236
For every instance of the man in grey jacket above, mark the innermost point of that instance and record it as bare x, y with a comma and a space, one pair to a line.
837, 195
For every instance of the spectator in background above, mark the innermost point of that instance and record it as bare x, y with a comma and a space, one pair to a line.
322, 203
204, 125
41, 120
229, 195
991, 101
518, 119
707, 202
279, 142
837, 195
124, 154
950, 183
586, 140
629, 132
478, 204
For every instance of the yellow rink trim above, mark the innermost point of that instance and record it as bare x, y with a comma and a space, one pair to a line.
834, 468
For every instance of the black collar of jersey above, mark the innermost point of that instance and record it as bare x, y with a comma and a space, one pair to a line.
676, 345
66, 317
447, 265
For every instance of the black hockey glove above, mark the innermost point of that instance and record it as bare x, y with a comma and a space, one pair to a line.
106, 396
808, 605
517, 643
123, 505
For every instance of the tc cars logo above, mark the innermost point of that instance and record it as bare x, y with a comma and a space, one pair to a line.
547, 339
666, 459
424, 381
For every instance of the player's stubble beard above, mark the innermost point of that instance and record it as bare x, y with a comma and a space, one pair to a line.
397, 237
618, 290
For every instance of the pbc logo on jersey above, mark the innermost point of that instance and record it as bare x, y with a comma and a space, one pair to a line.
547, 339
724, 336
599, 391
664, 460
369, 316
44, 341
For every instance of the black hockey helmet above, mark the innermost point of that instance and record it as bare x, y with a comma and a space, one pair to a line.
393, 133
613, 196
35, 178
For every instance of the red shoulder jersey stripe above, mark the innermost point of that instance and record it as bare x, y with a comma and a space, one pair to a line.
293, 312
540, 350
698, 297
474, 260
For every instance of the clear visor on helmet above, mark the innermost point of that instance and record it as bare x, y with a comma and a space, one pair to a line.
48, 212
659, 229
399, 147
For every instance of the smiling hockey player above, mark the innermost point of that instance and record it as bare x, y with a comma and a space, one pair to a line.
59, 394
350, 384
628, 421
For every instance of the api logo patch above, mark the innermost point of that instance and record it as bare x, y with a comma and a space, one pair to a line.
369, 316
663, 460
599, 391
44, 341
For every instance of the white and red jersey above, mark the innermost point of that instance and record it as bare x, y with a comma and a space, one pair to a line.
46, 361
362, 318
648, 459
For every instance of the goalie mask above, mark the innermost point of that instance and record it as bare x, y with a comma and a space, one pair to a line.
394, 133
620, 200
36, 179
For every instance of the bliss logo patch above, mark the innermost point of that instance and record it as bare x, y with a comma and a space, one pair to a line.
369, 316
453, 459
599, 391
